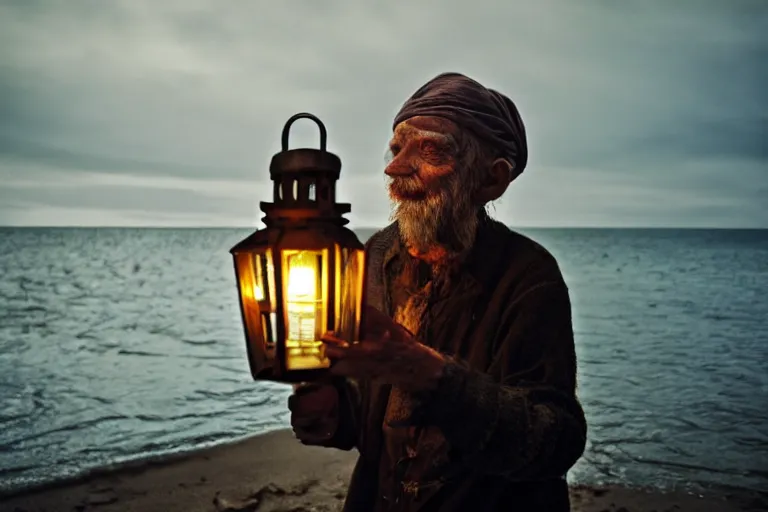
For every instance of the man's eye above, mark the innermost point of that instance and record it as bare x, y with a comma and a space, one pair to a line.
394, 149
434, 153
427, 146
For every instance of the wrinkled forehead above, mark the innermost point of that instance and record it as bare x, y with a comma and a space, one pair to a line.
426, 127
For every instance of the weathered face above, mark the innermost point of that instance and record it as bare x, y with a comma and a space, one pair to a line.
432, 185
424, 152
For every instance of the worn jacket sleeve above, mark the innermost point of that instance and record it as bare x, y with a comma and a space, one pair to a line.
521, 419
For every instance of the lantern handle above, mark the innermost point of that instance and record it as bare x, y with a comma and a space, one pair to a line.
304, 115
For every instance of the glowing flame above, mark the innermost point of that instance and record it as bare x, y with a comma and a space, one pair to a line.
302, 283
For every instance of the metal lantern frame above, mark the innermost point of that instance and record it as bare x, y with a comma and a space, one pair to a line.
303, 216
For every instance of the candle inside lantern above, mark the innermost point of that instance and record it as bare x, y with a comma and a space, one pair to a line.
302, 304
303, 308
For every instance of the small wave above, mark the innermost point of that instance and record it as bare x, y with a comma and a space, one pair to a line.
719, 317
605, 406
163, 451
139, 353
216, 395
591, 362
29, 309
150, 418
6, 418
596, 376
239, 371
101, 400
87, 334
690, 423
618, 441
167, 330
17, 469
606, 425
64, 428
708, 469
211, 358
751, 442
199, 415
199, 342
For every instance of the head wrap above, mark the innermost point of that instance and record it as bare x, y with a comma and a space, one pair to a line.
490, 115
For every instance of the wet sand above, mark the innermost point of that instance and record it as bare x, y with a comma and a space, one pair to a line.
275, 473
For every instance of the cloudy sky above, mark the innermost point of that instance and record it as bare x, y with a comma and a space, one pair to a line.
136, 112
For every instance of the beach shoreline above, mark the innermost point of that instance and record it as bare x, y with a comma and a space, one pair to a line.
273, 472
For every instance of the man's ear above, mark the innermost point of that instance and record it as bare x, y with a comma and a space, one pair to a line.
497, 179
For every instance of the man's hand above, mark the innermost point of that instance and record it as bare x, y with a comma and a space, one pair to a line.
314, 412
389, 354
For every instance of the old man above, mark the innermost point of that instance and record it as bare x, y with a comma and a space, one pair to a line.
462, 394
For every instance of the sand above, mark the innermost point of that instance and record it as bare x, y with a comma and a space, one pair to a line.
274, 472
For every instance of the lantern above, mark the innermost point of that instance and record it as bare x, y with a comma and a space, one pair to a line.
304, 274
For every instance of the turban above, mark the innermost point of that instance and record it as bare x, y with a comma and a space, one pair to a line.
490, 115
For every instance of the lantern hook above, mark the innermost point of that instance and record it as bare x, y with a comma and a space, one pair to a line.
304, 115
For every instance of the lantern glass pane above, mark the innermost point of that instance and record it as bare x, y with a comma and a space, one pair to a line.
305, 296
350, 264
264, 292
256, 285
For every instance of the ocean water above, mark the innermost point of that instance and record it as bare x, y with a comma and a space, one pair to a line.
118, 344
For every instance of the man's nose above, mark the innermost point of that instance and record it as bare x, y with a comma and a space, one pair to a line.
395, 169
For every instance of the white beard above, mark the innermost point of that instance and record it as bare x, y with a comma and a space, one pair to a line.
447, 220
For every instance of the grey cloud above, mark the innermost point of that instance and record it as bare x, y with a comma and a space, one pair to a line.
22, 151
125, 197
192, 89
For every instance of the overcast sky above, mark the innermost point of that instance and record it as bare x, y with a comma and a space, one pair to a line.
133, 112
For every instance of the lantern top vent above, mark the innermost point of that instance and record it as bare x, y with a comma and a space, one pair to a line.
304, 182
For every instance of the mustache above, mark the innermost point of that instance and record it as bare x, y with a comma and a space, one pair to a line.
407, 187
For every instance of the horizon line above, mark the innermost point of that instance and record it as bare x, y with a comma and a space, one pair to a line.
374, 228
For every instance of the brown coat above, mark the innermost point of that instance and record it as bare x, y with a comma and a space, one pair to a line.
506, 406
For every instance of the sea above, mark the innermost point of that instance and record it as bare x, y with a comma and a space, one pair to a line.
123, 344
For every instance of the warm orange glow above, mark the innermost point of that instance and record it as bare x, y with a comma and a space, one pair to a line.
301, 298
302, 283
304, 304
